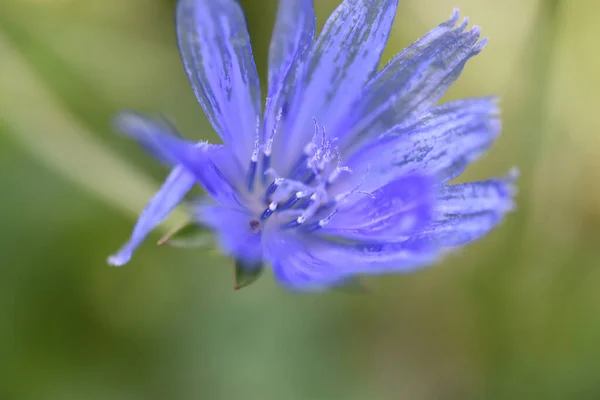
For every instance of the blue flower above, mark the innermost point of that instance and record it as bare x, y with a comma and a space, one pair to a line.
345, 172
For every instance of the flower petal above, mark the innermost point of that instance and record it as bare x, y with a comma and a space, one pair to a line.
234, 231
212, 165
177, 185
291, 42
390, 213
441, 142
343, 59
303, 262
293, 34
146, 131
412, 82
296, 267
217, 56
464, 213
468, 211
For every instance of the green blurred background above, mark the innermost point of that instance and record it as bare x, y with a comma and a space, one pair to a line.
514, 316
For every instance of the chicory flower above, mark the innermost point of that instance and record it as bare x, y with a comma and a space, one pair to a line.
346, 170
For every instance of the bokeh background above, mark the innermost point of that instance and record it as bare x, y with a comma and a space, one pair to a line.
514, 316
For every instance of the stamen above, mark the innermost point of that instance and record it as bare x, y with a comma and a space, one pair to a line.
292, 224
254, 158
291, 201
311, 208
325, 221
322, 222
268, 211
310, 180
269, 146
339, 169
272, 188
343, 196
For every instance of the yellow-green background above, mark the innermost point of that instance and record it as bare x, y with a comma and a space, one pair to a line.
514, 316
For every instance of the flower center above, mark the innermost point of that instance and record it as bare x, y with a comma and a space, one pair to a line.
303, 198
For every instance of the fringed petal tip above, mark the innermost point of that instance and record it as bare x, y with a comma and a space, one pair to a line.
475, 31
453, 17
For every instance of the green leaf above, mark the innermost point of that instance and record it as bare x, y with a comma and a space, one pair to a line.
245, 274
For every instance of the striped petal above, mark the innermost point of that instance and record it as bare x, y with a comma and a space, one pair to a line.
293, 36
412, 82
442, 142
217, 56
468, 211
291, 43
343, 59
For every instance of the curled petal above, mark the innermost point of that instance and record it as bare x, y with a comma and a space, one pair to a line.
177, 185
217, 56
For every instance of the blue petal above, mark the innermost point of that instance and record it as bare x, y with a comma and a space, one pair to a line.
413, 81
343, 59
468, 211
296, 267
234, 232
217, 56
293, 34
463, 213
292, 40
442, 142
390, 213
146, 131
312, 263
177, 185
212, 165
